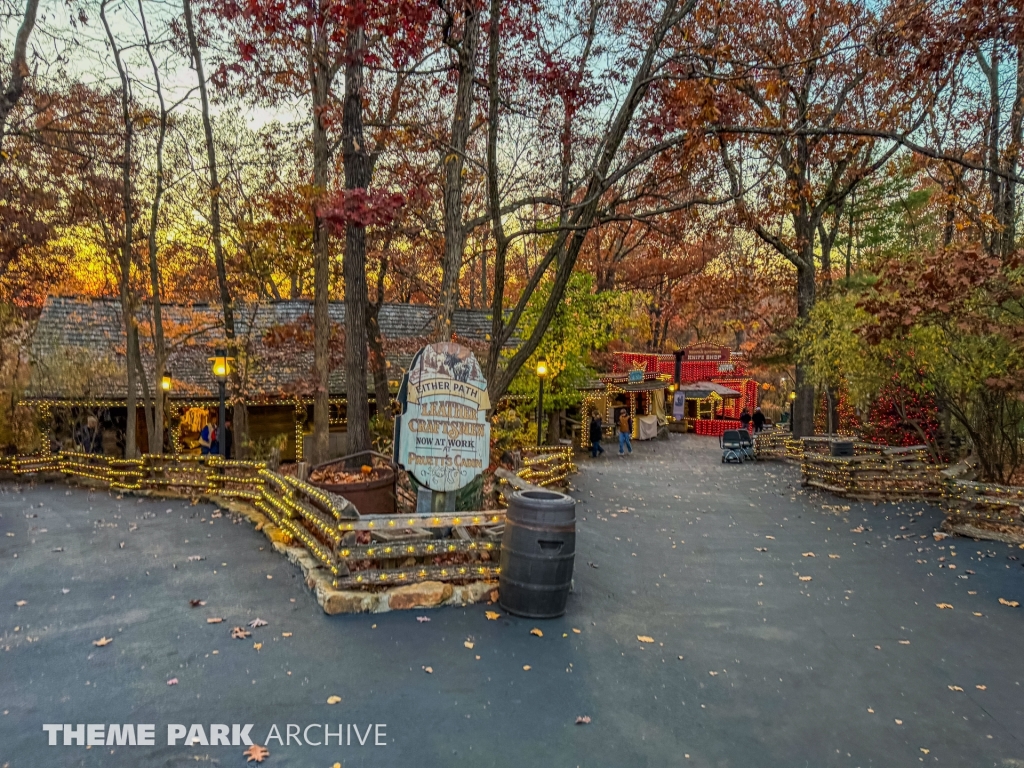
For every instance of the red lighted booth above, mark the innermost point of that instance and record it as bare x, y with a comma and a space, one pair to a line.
711, 385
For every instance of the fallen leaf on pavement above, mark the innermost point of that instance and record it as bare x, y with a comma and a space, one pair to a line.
898, 721
645, 638
976, 613
257, 622
468, 644
680, 658
805, 578
955, 688
492, 616
191, 558
904, 642
770, 537
761, 549
256, 753
575, 631
527, 668
214, 620
429, 670
808, 554
238, 633
196, 603
871, 710
833, 557
582, 719
536, 632
422, 619
925, 751
1010, 603
858, 529
286, 634
944, 606
981, 687
334, 699
257, 646
103, 641
713, 674
20, 603
173, 681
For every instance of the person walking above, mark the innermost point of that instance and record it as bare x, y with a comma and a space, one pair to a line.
596, 430
758, 419
625, 429
745, 419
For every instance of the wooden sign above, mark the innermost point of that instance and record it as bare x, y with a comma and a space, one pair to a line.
443, 438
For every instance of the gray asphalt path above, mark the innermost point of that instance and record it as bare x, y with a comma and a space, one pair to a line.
855, 667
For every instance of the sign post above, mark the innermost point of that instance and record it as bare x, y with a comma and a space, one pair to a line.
443, 438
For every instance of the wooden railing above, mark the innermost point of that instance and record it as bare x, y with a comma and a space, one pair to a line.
984, 510
327, 525
547, 466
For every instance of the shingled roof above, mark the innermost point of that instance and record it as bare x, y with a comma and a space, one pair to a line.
72, 328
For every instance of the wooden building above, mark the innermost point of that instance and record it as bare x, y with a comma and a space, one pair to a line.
79, 368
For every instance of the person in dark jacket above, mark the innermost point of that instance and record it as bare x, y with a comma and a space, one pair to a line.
596, 433
758, 419
745, 419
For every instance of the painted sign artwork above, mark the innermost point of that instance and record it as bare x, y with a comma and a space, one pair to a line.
444, 439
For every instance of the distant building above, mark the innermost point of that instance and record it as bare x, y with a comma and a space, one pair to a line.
79, 366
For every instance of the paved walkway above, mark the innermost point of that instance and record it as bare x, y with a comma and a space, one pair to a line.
854, 667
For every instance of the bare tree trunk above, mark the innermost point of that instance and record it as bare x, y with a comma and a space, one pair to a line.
378, 362
12, 91
454, 159
124, 282
241, 417
357, 176
803, 406
155, 426
320, 74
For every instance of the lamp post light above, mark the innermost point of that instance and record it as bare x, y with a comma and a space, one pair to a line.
221, 369
542, 373
792, 399
672, 401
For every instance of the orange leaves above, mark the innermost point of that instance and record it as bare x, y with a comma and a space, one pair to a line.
256, 753
103, 641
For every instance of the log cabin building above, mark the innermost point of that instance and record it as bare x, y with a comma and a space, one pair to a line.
79, 369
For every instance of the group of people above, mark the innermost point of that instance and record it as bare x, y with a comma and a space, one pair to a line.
210, 435
625, 430
757, 418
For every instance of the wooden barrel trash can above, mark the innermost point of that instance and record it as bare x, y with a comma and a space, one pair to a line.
538, 549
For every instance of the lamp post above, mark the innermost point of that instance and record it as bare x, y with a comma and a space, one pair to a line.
672, 401
542, 372
792, 399
221, 368
165, 388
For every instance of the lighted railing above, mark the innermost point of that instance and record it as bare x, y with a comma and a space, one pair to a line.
326, 525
